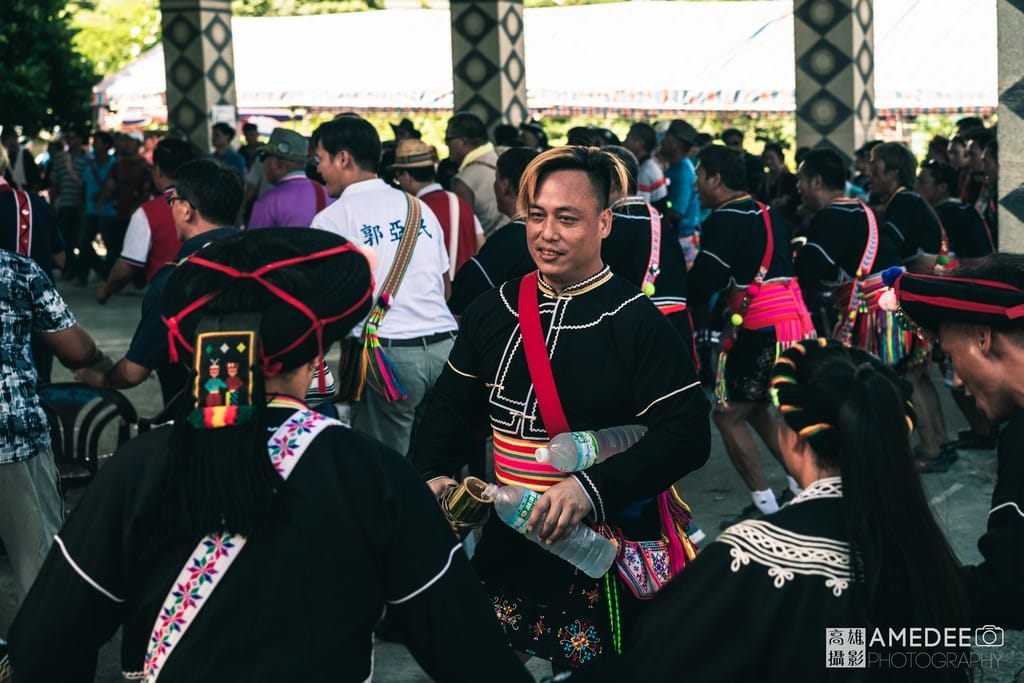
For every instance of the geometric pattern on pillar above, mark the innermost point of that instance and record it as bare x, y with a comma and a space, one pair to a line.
835, 73
488, 60
1010, 22
200, 64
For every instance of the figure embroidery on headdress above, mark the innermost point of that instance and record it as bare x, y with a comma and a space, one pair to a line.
233, 383
214, 384
223, 400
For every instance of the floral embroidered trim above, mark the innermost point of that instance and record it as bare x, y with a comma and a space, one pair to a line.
829, 487
214, 554
787, 554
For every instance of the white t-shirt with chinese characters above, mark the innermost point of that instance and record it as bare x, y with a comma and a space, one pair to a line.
372, 214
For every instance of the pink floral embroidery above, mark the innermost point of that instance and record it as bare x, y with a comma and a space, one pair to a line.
198, 583
214, 554
287, 442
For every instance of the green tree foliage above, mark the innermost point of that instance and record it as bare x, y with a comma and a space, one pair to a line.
44, 81
112, 33
291, 8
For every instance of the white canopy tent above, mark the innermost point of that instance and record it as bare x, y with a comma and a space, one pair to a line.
632, 58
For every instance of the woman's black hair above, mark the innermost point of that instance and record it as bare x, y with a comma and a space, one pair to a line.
857, 419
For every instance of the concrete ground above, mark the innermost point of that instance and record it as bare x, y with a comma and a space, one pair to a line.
960, 500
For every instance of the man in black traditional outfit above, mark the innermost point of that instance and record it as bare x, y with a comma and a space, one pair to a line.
920, 241
978, 313
227, 556
642, 248
845, 252
745, 256
615, 360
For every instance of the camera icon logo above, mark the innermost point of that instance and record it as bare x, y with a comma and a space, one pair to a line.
988, 636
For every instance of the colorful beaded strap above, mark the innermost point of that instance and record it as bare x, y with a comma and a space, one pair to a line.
375, 368
653, 260
844, 334
214, 554
654, 257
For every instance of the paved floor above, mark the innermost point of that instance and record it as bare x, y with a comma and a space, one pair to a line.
959, 497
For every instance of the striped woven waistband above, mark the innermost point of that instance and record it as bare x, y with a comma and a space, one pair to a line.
779, 304
515, 463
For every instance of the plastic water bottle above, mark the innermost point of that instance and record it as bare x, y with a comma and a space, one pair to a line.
575, 451
583, 547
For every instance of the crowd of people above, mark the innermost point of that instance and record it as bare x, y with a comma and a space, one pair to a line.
484, 304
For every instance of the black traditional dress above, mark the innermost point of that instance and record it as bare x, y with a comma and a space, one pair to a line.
627, 251
771, 600
838, 240
616, 361
734, 243
358, 531
994, 587
914, 224
966, 230
502, 257
835, 244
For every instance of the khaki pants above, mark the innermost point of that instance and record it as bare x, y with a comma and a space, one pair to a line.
31, 513
391, 423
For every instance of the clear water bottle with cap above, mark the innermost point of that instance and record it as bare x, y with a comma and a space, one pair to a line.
575, 451
589, 551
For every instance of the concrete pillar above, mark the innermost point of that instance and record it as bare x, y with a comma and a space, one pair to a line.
835, 66
1010, 22
488, 58
200, 63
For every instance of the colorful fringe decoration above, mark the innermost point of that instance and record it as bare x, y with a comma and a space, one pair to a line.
721, 390
870, 328
675, 520
377, 370
219, 416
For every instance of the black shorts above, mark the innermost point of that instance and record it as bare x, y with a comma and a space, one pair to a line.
748, 368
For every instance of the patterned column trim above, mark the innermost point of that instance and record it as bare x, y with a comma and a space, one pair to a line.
199, 60
835, 84
488, 58
1010, 22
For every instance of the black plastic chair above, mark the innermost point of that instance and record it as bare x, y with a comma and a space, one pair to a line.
78, 415
164, 416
